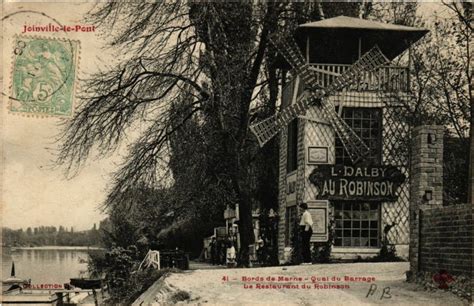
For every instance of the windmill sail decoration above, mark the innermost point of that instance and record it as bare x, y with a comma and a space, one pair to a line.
268, 128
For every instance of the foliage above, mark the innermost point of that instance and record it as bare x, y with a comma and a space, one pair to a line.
164, 67
440, 81
138, 218
441, 77
156, 219
321, 252
388, 252
455, 170
296, 254
119, 266
50, 235
394, 12
268, 253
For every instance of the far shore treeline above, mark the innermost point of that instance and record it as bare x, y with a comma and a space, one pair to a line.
49, 236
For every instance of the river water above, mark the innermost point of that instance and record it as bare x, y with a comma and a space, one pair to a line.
45, 265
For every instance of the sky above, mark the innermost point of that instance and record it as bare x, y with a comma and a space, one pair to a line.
33, 194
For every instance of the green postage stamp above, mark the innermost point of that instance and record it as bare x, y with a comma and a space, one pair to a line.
44, 76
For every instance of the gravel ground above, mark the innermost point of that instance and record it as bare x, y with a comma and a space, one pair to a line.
298, 285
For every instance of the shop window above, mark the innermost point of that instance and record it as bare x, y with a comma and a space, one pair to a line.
292, 148
290, 224
357, 224
367, 124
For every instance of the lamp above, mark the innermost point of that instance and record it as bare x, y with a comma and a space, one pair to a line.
428, 196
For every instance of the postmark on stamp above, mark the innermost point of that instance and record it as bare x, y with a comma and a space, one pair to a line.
44, 76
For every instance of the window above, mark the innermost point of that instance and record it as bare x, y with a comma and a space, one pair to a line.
367, 124
357, 224
292, 148
290, 224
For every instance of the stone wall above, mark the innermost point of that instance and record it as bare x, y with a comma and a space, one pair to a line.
446, 239
446, 248
441, 240
426, 180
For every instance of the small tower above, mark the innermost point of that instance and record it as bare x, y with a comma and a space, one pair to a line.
359, 200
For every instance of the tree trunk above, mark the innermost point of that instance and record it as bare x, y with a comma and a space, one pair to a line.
240, 179
247, 237
468, 12
471, 156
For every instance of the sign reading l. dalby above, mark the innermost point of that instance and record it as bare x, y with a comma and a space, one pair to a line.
367, 183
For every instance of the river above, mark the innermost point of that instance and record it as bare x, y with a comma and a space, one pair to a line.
45, 265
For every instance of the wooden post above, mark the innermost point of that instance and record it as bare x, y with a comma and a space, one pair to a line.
95, 297
307, 50
470, 189
419, 230
102, 289
60, 299
409, 67
360, 48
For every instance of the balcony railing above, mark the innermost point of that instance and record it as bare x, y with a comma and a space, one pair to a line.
385, 78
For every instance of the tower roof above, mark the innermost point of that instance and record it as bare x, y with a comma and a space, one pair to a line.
345, 22
339, 33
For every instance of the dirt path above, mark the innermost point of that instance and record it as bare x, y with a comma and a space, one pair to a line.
299, 285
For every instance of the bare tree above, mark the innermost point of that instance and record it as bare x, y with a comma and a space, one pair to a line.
172, 49
440, 75
464, 13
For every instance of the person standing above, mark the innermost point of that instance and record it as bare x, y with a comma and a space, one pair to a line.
306, 229
230, 254
214, 254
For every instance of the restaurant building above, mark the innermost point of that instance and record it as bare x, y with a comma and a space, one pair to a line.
361, 203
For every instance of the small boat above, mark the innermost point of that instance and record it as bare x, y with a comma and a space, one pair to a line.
13, 282
86, 283
51, 297
18, 291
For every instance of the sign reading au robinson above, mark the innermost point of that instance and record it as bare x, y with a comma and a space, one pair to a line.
367, 183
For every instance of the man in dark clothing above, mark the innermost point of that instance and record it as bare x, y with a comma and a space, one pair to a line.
213, 247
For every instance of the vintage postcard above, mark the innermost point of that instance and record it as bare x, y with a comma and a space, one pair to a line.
236, 153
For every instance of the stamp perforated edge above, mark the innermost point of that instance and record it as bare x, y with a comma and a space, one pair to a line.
75, 88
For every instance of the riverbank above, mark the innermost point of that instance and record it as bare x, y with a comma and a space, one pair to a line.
57, 247
329, 284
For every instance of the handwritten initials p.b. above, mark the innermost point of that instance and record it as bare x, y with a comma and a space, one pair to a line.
385, 292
